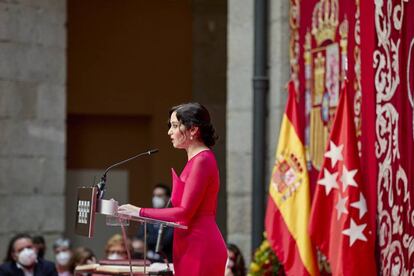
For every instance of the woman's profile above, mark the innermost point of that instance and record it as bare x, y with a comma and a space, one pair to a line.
199, 250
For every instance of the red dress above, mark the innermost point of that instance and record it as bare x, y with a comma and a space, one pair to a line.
199, 250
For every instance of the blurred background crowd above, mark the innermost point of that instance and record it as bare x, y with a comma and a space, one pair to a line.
26, 255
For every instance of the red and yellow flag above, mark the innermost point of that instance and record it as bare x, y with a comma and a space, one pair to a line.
288, 208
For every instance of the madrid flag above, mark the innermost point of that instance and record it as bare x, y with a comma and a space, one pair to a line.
287, 215
339, 224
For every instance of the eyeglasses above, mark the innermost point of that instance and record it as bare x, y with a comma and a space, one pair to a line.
117, 252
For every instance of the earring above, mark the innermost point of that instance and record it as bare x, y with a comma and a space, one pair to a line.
191, 137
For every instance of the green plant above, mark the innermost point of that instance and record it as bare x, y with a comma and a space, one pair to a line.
265, 262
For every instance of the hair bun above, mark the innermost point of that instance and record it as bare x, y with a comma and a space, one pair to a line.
195, 114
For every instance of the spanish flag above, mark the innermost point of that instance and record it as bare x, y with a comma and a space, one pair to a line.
288, 208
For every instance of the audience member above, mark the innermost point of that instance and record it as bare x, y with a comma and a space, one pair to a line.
235, 262
81, 256
116, 249
160, 197
138, 247
40, 245
63, 253
21, 259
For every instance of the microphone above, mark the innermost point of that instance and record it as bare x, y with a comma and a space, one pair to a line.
158, 245
102, 183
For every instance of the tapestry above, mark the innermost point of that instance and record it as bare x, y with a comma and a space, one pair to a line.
393, 61
371, 44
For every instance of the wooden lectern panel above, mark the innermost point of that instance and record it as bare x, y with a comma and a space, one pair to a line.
85, 211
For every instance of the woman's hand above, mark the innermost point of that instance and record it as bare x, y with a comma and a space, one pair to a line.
129, 210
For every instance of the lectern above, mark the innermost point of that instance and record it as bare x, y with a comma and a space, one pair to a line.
90, 202
88, 205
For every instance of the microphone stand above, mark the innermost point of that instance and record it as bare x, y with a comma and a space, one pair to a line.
101, 192
102, 183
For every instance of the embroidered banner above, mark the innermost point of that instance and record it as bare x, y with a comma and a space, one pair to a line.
394, 125
325, 47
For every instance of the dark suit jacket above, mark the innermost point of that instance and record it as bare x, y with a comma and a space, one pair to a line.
152, 235
42, 268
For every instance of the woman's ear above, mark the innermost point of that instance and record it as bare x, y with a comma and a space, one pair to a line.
194, 131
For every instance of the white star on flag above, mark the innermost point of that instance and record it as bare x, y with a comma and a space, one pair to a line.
329, 181
347, 178
361, 205
340, 206
355, 232
335, 153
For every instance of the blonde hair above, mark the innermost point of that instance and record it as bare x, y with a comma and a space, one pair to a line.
117, 240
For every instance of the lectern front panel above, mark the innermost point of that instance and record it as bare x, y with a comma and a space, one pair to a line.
85, 211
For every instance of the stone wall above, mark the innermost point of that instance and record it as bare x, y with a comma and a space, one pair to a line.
240, 108
32, 118
209, 79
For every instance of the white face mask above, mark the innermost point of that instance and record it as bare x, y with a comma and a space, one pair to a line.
115, 256
158, 202
63, 257
27, 257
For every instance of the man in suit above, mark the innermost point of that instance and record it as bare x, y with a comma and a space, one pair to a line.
160, 198
21, 259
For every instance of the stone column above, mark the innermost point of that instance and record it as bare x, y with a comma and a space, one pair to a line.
209, 79
240, 109
32, 118
239, 122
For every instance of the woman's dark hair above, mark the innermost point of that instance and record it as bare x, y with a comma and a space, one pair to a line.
10, 248
195, 115
40, 243
239, 268
80, 256
166, 189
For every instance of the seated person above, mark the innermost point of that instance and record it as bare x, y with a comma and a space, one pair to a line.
21, 259
138, 247
160, 197
81, 256
116, 249
63, 253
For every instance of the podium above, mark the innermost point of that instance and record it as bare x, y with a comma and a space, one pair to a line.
88, 205
118, 267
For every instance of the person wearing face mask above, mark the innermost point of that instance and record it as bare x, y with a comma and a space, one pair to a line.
21, 259
116, 249
160, 197
63, 253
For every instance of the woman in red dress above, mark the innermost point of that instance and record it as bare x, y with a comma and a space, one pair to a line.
199, 250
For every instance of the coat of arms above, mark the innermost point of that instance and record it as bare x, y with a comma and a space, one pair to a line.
325, 66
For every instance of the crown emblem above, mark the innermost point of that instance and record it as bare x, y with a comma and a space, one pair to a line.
325, 20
